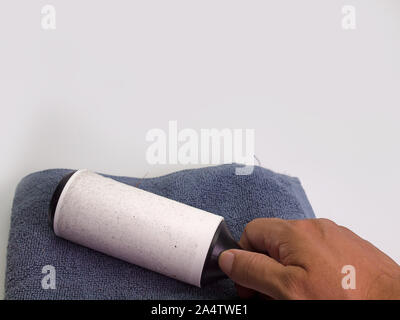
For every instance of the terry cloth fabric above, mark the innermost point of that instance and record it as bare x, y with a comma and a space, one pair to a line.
82, 273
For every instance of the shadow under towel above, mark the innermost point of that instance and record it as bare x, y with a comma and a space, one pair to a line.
82, 273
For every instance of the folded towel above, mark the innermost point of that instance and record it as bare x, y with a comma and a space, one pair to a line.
82, 273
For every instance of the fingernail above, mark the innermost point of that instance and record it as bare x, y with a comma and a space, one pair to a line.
226, 261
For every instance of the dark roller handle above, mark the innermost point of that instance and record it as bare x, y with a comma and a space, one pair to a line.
221, 241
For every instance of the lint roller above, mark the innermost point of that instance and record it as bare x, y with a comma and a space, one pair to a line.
140, 227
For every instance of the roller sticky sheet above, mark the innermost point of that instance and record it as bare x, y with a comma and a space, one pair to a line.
140, 227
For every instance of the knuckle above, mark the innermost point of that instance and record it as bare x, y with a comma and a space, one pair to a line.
304, 223
325, 226
294, 282
301, 227
286, 227
326, 222
285, 253
315, 226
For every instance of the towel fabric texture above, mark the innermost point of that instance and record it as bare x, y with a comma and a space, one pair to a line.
82, 273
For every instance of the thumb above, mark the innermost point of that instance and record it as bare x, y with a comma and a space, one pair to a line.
253, 270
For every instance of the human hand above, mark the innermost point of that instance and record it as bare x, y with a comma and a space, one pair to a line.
303, 259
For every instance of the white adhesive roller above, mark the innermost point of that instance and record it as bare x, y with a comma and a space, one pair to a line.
140, 227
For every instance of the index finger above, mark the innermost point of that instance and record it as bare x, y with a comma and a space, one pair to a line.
266, 235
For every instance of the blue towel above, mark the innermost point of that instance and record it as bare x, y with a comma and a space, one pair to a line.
82, 273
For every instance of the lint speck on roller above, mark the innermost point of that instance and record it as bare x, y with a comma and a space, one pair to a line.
140, 227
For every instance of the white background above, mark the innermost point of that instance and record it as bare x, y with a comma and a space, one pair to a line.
324, 102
